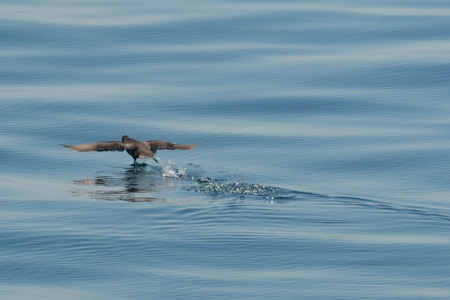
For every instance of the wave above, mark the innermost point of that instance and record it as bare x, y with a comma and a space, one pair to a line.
143, 183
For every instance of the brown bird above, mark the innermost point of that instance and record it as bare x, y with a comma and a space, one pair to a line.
137, 149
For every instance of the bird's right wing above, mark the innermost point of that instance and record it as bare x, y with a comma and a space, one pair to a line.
163, 145
100, 146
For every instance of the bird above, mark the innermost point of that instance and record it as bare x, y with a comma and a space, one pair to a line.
135, 148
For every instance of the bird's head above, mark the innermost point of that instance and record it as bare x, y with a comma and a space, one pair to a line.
125, 138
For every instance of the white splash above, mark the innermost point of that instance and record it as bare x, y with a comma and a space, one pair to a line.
181, 172
170, 171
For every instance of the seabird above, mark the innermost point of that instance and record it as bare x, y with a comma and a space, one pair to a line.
137, 149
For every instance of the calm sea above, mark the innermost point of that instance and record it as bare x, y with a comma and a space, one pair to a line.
323, 170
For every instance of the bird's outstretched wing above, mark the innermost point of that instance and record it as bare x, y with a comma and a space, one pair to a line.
100, 146
163, 145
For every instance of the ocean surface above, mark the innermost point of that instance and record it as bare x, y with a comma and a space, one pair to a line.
323, 165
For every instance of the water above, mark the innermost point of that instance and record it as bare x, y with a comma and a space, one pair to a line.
322, 171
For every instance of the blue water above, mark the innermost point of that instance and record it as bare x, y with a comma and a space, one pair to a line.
323, 169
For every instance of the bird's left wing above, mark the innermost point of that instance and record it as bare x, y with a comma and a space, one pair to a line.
100, 146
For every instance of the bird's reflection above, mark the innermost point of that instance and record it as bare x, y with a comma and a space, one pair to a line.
136, 183
145, 183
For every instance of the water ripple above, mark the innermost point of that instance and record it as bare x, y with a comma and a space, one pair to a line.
213, 188
148, 184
